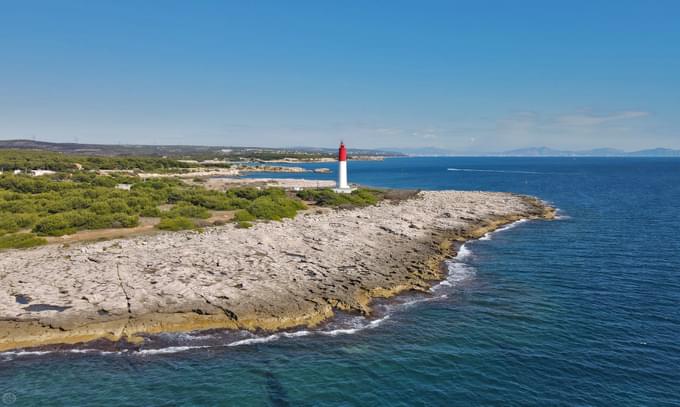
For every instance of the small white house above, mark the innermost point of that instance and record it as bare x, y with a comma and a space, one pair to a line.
38, 173
16, 172
124, 187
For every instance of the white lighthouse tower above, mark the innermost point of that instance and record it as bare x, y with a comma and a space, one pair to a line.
343, 185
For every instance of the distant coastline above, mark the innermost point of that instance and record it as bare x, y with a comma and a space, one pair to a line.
543, 152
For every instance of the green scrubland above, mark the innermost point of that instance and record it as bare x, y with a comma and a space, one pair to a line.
66, 202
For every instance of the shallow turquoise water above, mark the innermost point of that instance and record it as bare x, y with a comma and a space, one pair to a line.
579, 311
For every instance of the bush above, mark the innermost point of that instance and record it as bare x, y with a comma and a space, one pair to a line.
243, 216
69, 222
150, 212
175, 224
8, 223
275, 207
187, 210
20, 241
121, 220
243, 225
54, 225
328, 197
25, 220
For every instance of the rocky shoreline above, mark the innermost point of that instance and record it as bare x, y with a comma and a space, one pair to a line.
274, 276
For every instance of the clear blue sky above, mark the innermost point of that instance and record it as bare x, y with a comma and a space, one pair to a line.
467, 76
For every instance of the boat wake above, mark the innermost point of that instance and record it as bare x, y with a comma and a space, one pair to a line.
497, 171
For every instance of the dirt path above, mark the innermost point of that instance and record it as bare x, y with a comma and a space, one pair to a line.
146, 227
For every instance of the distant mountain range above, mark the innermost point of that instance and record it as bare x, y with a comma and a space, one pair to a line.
544, 152
597, 152
422, 151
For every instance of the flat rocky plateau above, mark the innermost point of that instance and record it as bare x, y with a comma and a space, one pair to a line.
275, 275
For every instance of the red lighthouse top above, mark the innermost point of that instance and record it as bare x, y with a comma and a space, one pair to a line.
342, 154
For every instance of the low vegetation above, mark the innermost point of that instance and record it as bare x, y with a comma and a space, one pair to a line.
176, 223
327, 197
25, 160
244, 216
67, 202
21, 241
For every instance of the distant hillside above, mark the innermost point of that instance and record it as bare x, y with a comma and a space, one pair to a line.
185, 151
536, 152
598, 152
542, 152
423, 151
656, 152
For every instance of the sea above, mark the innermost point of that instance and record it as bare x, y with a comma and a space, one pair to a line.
580, 311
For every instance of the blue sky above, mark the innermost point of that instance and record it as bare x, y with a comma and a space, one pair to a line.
472, 76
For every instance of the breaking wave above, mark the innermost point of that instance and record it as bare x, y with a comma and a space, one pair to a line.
458, 270
360, 326
488, 235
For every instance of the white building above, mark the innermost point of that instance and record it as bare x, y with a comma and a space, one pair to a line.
39, 173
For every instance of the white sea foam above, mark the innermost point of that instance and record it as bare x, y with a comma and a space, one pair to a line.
463, 252
560, 215
169, 349
11, 355
269, 338
458, 272
348, 331
20, 353
488, 235
333, 332
97, 351
182, 336
408, 304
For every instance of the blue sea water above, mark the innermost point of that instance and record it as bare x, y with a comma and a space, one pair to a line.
581, 311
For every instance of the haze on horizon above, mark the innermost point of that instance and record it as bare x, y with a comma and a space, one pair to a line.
469, 77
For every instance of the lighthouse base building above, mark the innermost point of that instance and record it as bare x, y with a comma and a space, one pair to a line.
343, 185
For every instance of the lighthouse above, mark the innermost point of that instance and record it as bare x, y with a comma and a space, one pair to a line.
343, 185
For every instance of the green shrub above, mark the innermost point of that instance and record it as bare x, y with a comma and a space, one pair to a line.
54, 225
25, 220
248, 193
69, 222
176, 223
8, 223
150, 212
118, 205
75, 200
328, 197
20, 241
243, 216
121, 220
275, 207
187, 210
243, 225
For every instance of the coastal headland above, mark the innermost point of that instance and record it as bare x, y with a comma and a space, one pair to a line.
275, 275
